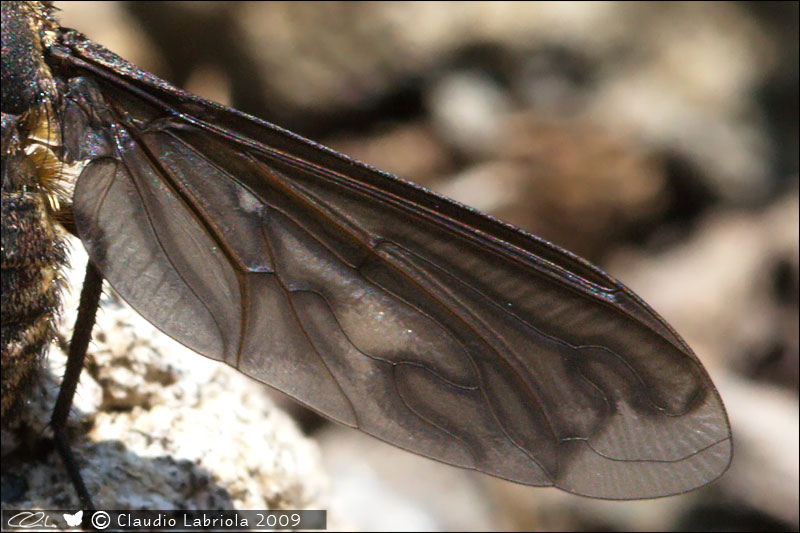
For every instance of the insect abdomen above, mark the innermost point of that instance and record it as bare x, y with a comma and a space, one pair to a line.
31, 258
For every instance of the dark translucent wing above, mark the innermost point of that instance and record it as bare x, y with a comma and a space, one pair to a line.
377, 303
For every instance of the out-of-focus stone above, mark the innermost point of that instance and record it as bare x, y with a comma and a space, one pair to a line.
571, 183
685, 86
382, 488
766, 437
468, 109
413, 152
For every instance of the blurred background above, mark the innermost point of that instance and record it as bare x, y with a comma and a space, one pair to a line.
658, 140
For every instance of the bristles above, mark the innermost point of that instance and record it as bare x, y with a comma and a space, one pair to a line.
56, 177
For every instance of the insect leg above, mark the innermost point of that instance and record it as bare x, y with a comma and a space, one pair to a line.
82, 333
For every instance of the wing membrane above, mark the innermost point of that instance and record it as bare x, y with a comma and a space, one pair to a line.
377, 303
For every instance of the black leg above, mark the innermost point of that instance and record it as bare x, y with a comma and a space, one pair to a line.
81, 335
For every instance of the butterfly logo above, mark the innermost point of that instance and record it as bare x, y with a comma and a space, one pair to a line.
73, 519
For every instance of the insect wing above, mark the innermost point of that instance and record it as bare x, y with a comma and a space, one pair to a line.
377, 303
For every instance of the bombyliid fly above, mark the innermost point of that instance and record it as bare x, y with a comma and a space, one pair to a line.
373, 301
